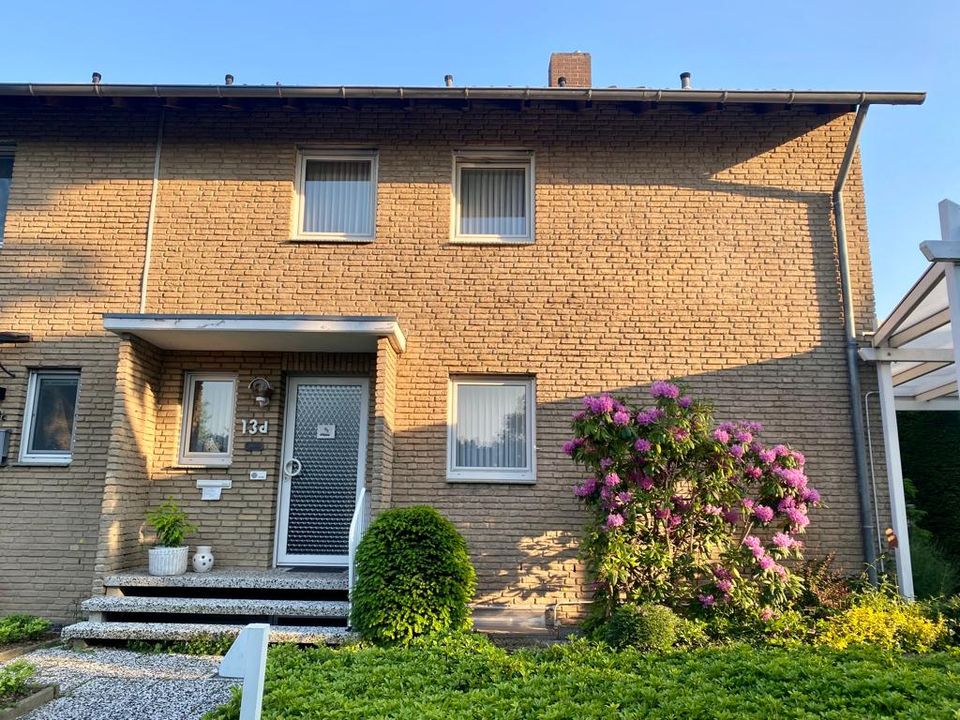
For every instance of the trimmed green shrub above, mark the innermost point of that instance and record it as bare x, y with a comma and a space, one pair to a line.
20, 628
466, 678
414, 577
884, 620
14, 679
645, 627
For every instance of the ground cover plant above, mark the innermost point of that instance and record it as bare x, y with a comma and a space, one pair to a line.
465, 676
22, 628
14, 682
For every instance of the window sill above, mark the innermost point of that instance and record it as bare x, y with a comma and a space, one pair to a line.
182, 465
490, 241
475, 480
45, 462
334, 239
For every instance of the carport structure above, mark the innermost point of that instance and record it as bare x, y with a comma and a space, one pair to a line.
915, 353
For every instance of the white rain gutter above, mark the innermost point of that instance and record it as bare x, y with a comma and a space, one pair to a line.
151, 216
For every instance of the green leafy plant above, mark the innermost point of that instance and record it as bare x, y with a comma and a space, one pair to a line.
414, 577
645, 627
464, 677
20, 628
880, 618
171, 524
14, 681
199, 644
687, 513
825, 591
947, 610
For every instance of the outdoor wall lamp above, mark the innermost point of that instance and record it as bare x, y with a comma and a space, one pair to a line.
262, 391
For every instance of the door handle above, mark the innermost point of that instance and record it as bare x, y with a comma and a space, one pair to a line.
292, 467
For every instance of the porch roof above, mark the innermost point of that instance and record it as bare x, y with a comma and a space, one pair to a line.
918, 338
288, 333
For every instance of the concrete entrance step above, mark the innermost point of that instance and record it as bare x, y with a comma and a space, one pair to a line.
216, 606
305, 635
277, 579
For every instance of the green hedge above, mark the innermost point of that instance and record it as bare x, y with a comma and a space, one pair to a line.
930, 454
414, 577
465, 677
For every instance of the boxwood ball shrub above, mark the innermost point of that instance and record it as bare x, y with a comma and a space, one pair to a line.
645, 627
414, 577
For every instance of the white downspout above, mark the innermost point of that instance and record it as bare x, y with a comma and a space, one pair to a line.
151, 216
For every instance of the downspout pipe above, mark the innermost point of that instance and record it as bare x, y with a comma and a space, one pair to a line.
151, 215
850, 331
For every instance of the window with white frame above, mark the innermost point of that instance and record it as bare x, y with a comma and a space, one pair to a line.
337, 195
491, 429
208, 409
49, 417
493, 196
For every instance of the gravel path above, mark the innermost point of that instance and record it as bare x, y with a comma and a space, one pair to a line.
116, 684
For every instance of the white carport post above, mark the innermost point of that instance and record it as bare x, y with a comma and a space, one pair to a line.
898, 503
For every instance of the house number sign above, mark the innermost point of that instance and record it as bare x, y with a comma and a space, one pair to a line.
254, 427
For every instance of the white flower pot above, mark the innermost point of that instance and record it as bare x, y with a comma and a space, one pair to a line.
203, 559
168, 560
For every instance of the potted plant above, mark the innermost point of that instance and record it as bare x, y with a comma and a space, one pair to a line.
169, 555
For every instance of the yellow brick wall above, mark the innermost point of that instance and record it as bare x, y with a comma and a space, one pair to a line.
668, 244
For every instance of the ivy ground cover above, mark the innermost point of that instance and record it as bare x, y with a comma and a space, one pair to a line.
465, 676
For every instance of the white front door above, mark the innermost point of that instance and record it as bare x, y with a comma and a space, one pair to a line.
322, 468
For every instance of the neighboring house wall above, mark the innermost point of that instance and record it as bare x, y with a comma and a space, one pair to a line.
667, 244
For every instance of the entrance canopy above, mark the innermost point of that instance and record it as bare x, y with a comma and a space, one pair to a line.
264, 333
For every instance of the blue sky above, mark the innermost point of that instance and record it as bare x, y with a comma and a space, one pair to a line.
911, 155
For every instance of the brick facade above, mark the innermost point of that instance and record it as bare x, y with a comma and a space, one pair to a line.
667, 244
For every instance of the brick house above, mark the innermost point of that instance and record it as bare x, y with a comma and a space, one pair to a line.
312, 303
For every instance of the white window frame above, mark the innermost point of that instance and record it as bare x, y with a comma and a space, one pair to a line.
303, 156
198, 459
29, 414
497, 159
525, 475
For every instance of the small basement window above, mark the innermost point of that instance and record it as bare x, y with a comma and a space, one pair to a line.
206, 438
337, 196
493, 197
491, 429
49, 417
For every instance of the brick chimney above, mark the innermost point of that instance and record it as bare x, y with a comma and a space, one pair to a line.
570, 69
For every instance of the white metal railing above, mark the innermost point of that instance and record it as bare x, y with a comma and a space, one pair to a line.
358, 526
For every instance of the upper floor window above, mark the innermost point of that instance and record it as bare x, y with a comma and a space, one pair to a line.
491, 429
6, 177
48, 419
337, 196
493, 196
208, 408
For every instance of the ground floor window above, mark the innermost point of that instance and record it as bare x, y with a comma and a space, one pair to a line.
491, 429
208, 409
49, 417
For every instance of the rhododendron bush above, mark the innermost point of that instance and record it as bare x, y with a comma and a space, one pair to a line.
686, 512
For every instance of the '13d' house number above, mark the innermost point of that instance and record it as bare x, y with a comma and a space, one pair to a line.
254, 427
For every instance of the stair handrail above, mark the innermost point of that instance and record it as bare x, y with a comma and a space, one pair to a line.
358, 527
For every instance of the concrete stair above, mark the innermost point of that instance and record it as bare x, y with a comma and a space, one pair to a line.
302, 607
